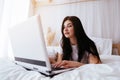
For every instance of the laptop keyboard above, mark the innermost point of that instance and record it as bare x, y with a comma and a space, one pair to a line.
57, 68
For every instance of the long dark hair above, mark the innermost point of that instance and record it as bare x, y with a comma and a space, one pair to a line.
83, 42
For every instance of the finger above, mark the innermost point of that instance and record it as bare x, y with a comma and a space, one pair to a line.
66, 66
63, 63
56, 64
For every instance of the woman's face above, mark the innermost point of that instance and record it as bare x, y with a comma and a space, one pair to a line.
68, 29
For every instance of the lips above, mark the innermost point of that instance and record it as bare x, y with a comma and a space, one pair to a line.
66, 33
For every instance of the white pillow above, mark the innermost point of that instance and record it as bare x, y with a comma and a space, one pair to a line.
103, 45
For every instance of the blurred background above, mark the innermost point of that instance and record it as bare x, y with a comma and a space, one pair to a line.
100, 18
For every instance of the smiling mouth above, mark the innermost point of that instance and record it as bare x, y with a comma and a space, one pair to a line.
67, 33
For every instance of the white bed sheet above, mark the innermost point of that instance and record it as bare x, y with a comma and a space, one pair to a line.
109, 70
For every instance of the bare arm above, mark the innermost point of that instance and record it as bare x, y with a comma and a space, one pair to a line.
59, 57
72, 64
66, 63
93, 59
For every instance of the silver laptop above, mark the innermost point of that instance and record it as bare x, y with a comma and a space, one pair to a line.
29, 47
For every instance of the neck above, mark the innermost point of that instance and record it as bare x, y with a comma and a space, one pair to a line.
73, 41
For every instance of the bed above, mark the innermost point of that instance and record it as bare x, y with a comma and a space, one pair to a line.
108, 70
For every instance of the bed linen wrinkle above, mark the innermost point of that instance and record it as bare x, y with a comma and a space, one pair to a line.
109, 70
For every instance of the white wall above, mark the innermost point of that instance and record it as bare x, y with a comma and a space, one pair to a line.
14, 12
100, 18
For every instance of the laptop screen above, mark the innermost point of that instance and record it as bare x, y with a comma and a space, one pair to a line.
28, 42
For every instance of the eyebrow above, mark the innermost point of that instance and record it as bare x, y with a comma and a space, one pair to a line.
68, 24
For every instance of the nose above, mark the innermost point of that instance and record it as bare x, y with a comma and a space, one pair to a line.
65, 28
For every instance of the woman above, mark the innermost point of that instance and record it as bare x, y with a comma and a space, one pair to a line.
77, 48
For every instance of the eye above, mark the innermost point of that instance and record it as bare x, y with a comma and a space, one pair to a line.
69, 25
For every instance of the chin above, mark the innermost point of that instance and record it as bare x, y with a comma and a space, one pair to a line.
67, 36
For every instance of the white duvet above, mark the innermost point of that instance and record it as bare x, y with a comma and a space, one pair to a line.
109, 70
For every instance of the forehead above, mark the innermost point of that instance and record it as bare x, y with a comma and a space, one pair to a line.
67, 22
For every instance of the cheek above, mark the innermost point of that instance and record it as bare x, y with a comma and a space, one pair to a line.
63, 30
72, 31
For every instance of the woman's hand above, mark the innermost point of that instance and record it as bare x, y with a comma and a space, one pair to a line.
67, 64
52, 60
